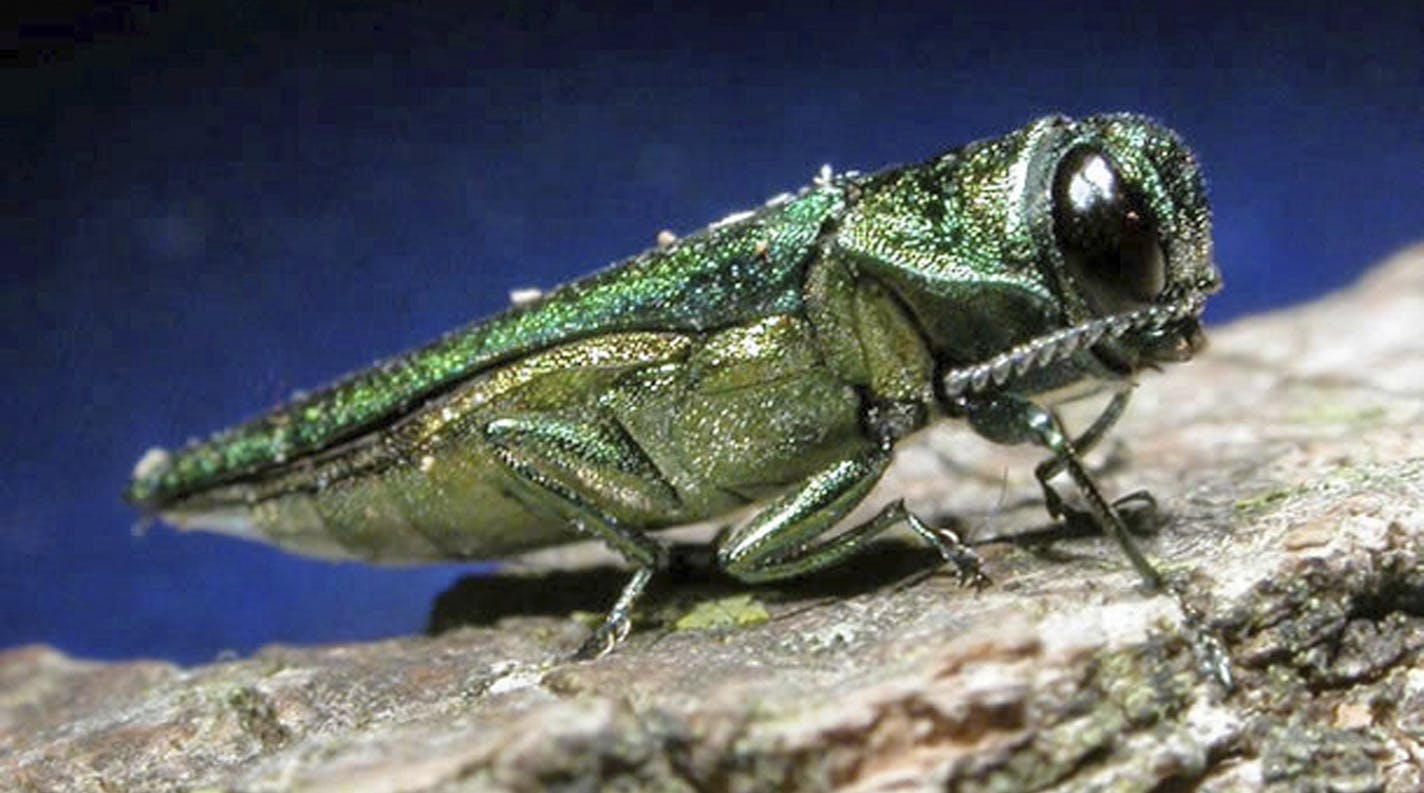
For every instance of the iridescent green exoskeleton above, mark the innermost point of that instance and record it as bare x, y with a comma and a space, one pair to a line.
774, 358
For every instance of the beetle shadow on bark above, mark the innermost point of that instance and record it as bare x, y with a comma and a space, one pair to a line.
691, 576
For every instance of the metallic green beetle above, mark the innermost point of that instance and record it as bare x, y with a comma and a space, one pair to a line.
775, 357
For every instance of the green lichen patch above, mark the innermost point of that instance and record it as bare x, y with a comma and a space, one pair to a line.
736, 611
1253, 507
1334, 413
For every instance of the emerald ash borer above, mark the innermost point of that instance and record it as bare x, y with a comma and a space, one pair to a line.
774, 358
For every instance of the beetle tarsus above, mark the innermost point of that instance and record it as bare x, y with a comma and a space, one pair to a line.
1138, 510
951, 547
619, 621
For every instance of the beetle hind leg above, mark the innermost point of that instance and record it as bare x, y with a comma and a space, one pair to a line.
567, 469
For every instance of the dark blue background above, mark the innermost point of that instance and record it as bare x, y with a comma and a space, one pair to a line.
206, 210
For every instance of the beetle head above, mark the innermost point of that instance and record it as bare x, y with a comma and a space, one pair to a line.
1129, 235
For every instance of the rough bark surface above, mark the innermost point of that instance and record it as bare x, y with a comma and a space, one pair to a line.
1289, 465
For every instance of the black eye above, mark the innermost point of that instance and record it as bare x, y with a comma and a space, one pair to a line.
1106, 231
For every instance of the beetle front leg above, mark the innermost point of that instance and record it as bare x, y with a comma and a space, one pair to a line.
785, 539
1012, 419
564, 468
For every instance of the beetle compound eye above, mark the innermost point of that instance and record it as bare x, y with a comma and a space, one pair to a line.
1106, 231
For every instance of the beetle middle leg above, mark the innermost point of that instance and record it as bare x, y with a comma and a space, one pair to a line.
784, 539
568, 468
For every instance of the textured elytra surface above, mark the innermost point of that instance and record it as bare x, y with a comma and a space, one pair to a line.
1289, 464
